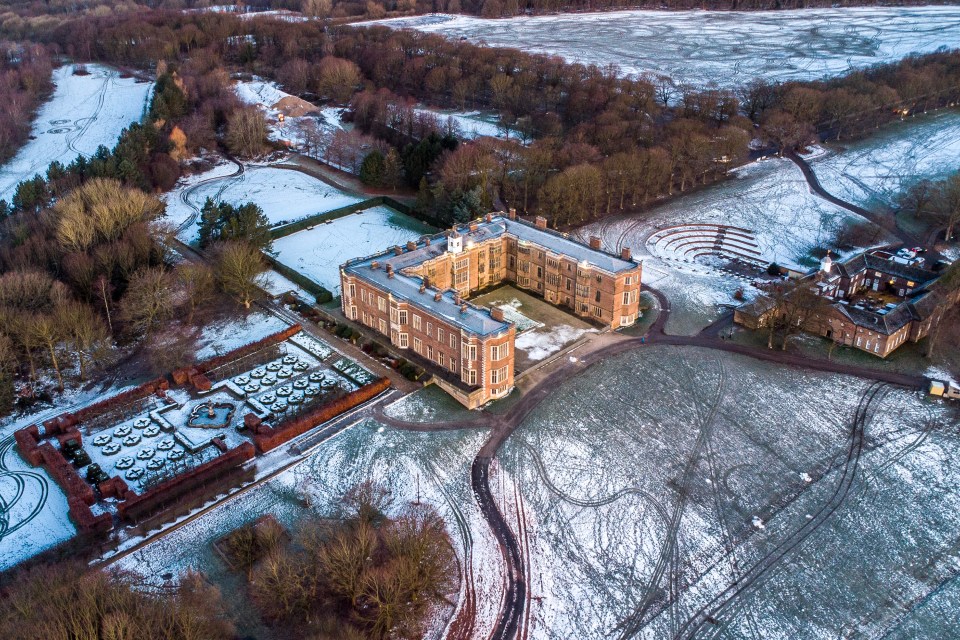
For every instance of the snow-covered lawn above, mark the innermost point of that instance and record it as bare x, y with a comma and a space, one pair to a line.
33, 509
226, 335
602, 469
318, 253
284, 195
716, 47
871, 172
83, 113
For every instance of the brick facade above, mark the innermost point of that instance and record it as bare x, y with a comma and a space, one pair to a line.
417, 296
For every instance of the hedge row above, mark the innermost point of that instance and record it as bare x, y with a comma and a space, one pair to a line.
272, 437
169, 490
125, 397
186, 374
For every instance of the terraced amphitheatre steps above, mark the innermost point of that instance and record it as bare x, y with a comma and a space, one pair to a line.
699, 239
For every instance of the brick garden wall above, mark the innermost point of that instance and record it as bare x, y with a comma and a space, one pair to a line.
268, 438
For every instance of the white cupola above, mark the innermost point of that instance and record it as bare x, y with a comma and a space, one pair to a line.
454, 242
826, 263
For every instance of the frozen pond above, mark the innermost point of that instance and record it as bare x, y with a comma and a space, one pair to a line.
318, 252
83, 113
706, 47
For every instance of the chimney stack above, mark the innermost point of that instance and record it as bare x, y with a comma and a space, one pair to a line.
411, 245
389, 270
463, 308
397, 250
595, 242
426, 241
374, 265
496, 313
512, 214
488, 217
456, 298
423, 288
540, 222
437, 296
473, 227
625, 254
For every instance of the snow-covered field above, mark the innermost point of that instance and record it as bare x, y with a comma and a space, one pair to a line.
83, 113
284, 195
620, 525
716, 47
871, 172
432, 466
33, 509
318, 253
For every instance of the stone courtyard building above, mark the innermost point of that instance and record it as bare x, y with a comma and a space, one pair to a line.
416, 295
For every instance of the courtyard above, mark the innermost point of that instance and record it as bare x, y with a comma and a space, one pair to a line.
543, 330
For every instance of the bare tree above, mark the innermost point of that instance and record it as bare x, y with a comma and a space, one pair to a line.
148, 301
238, 268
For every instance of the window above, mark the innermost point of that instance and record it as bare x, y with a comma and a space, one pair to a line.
523, 281
439, 334
596, 298
568, 282
403, 316
525, 267
418, 345
429, 328
626, 297
472, 376
628, 280
499, 351
553, 279
462, 277
495, 263
430, 352
512, 262
402, 341
416, 322
381, 303
599, 279
584, 307
353, 312
439, 358
353, 289
552, 263
453, 341
382, 325
597, 311
498, 375
539, 272
462, 263
583, 290
472, 352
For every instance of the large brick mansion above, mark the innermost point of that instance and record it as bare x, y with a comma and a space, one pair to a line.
417, 296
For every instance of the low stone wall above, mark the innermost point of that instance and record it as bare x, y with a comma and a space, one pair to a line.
268, 438
166, 492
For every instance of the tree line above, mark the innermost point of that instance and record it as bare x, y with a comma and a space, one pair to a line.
25, 72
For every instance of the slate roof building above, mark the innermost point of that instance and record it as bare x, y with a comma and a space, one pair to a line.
417, 296
877, 302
